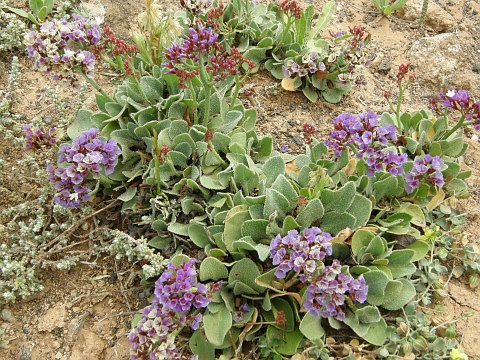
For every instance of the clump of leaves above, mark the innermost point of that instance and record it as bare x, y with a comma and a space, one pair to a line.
287, 40
388, 7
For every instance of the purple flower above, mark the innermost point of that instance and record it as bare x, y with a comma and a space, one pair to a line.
57, 47
370, 141
83, 160
300, 252
178, 295
34, 139
425, 169
327, 293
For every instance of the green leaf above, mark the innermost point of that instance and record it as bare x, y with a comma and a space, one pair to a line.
360, 240
311, 327
377, 282
310, 94
339, 200
274, 167
200, 346
377, 333
233, 225
289, 341
361, 209
324, 19
333, 96
388, 187
285, 187
281, 305
159, 242
420, 248
418, 218
82, 122
245, 271
312, 212
406, 294
179, 259
368, 314
152, 88
212, 269
399, 262
256, 228
198, 234
245, 178
217, 325
178, 228
334, 222
289, 223
35, 5
212, 182
129, 194
275, 202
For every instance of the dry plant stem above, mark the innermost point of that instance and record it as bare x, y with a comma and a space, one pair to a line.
67, 232
78, 223
121, 286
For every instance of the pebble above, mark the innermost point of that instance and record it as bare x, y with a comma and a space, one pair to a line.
7, 315
384, 67
476, 68
475, 137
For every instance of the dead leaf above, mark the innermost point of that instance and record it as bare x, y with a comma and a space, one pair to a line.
342, 236
436, 200
293, 168
291, 84
351, 167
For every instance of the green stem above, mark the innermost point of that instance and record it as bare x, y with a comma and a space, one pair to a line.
401, 90
236, 91
207, 90
458, 125
194, 97
95, 85
156, 160
285, 32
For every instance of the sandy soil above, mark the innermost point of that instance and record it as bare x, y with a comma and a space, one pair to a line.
85, 313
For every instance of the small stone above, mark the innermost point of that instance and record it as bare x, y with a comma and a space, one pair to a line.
475, 137
291, 122
7, 315
89, 346
476, 68
58, 355
384, 67
53, 318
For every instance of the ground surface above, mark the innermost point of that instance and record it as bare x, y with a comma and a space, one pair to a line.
85, 313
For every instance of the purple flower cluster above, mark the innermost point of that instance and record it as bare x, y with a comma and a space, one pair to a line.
310, 65
462, 101
201, 48
326, 295
178, 297
83, 160
426, 168
351, 47
38, 137
369, 140
57, 48
300, 252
